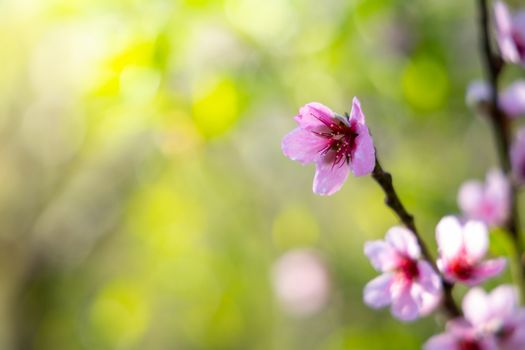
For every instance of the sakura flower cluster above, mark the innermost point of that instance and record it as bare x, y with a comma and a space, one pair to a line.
511, 99
491, 321
510, 37
409, 284
410, 281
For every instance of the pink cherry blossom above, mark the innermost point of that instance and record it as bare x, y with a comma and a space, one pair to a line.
478, 94
497, 314
510, 30
336, 144
488, 202
462, 249
408, 284
491, 321
517, 154
301, 282
512, 99
461, 335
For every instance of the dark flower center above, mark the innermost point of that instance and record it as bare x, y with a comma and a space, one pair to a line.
461, 268
469, 344
408, 269
506, 332
342, 140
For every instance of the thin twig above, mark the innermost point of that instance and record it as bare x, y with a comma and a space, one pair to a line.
392, 200
500, 124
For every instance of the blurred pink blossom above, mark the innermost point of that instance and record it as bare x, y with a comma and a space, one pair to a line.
462, 249
301, 282
461, 335
408, 284
478, 94
491, 321
517, 154
497, 314
510, 30
488, 202
511, 99
336, 144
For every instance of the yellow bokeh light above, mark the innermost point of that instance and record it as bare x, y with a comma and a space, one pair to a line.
215, 106
425, 84
295, 226
120, 314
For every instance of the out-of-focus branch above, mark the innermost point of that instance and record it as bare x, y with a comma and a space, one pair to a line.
392, 200
493, 65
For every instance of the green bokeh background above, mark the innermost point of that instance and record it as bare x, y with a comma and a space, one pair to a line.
143, 193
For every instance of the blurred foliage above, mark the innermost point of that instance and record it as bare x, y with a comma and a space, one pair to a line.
144, 196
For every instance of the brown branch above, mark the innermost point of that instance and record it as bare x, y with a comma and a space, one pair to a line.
392, 200
493, 65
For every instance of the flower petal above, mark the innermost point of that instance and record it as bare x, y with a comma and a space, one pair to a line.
403, 241
470, 197
426, 290
364, 156
404, 307
381, 255
517, 154
314, 115
302, 145
356, 112
503, 22
428, 278
517, 338
498, 186
429, 302
487, 269
460, 327
503, 301
518, 26
449, 236
443, 341
488, 342
329, 178
478, 93
377, 292
512, 99
502, 18
497, 192
476, 307
475, 240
